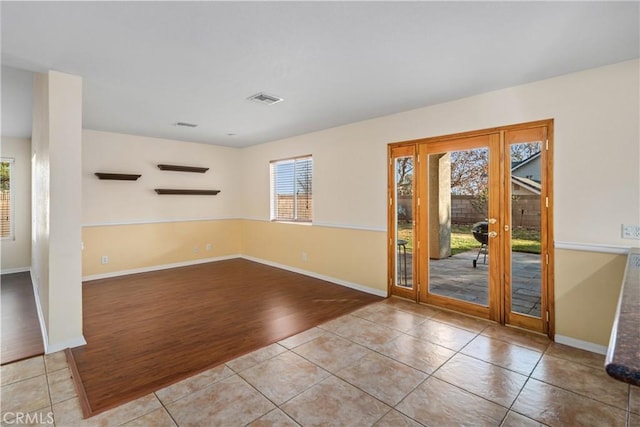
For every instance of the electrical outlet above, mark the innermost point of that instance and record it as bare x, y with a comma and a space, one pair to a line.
208, 247
304, 256
104, 259
631, 231
195, 250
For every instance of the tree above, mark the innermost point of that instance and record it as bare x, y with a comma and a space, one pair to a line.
470, 168
303, 177
523, 151
404, 175
5, 176
469, 171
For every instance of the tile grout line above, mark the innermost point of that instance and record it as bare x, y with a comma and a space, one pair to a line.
573, 391
163, 407
391, 408
430, 375
459, 352
629, 405
529, 377
46, 371
455, 352
470, 392
46, 379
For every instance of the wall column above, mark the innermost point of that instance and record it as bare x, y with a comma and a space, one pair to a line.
57, 207
439, 206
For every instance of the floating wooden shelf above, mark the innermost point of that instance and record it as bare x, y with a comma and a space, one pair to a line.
187, 192
118, 176
182, 168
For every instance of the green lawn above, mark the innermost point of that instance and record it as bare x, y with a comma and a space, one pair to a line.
462, 239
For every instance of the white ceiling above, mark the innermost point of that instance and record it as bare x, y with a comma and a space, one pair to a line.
147, 65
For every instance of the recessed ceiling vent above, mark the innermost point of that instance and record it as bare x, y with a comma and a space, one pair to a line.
188, 125
265, 98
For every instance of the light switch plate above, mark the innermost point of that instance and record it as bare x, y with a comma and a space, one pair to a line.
631, 231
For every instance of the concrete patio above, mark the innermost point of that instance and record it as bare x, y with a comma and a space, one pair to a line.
456, 277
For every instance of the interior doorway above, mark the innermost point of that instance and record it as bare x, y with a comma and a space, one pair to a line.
470, 223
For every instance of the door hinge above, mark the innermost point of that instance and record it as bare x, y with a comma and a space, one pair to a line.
546, 202
390, 161
418, 157
548, 317
418, 201
546, 256
390, 201
547, 145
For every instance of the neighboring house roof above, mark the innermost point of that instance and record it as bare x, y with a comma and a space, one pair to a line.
521, 163
528, 184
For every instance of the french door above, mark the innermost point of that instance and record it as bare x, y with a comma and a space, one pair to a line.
471, 223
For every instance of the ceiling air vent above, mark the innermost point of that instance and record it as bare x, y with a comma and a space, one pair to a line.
188, 125
265, 98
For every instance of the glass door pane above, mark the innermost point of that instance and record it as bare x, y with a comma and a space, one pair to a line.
525, 208
404, 221
458, 198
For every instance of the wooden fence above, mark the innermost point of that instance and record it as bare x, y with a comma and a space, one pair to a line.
304, 207
525, 210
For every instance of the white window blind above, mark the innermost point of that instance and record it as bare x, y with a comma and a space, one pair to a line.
6, 199
291, 189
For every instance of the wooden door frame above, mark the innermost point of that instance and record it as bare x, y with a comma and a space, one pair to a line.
543, 133
401, 150
421, 231
491, 142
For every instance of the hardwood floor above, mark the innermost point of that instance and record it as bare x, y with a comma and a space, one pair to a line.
149, 330
21, 334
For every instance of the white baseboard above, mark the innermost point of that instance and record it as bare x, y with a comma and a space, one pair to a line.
157, 267
341, 282
74, 342
43, 325
584, 345
15, 270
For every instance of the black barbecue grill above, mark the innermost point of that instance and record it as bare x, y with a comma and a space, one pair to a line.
480, 232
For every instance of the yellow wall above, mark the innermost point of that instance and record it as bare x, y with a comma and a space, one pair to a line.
597, 127
587, 290
355, 256
139, 246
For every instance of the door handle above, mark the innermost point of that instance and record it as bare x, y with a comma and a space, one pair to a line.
493, 234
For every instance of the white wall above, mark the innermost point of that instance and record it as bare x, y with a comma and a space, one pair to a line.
108, 202
57, 207
137, 229
596, 183
596, 151
349, 175
16, 252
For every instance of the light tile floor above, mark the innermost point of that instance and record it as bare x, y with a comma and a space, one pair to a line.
392, 363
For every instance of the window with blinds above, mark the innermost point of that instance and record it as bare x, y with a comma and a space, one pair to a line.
291, 189
6, 199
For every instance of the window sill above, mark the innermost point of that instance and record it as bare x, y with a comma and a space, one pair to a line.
309, 223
